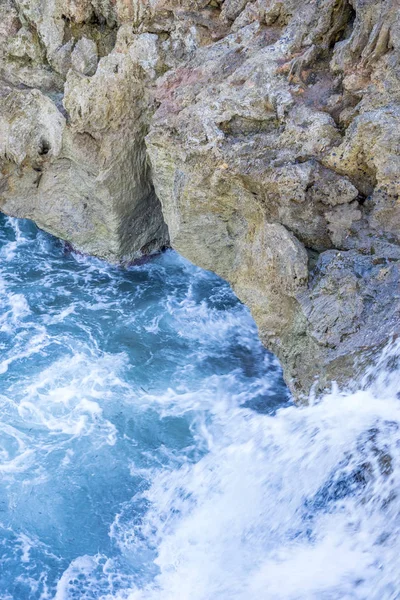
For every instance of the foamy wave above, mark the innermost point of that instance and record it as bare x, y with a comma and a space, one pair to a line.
148, 450
302, 505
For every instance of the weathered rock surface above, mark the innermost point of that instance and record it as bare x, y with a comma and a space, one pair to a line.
268, 130
72, 151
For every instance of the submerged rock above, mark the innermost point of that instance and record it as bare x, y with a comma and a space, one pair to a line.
268, 132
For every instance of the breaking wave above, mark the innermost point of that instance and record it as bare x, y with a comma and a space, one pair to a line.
149, 449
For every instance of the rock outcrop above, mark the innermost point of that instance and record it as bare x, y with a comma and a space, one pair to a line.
72, 146
268, 132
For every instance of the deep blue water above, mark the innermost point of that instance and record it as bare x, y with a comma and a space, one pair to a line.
149, 451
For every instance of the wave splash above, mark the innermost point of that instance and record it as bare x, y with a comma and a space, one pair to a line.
148, 448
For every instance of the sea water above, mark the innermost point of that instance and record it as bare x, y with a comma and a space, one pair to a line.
149, 449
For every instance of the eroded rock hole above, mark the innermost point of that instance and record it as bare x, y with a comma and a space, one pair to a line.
44, 147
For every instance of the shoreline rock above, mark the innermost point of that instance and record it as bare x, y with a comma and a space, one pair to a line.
259, 138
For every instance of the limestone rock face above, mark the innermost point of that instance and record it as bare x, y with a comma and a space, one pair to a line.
261, 137
275, 154
84, 57
86, 181
72, 154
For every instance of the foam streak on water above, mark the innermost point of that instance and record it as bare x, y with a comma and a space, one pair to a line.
148, 450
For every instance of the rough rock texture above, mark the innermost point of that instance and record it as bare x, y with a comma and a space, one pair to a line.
269, 129
72, 152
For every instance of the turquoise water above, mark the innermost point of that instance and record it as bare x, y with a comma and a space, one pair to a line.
149, 451
108, 377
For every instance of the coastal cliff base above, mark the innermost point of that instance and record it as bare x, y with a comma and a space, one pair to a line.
260, 139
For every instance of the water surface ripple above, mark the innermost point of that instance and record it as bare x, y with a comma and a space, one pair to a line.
148, 449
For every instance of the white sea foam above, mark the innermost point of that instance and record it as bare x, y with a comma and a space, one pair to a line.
62, 399
134, 468
301, 505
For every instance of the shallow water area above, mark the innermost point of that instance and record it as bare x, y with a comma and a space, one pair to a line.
148, 448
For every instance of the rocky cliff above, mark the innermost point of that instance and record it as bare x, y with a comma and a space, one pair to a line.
264, 133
